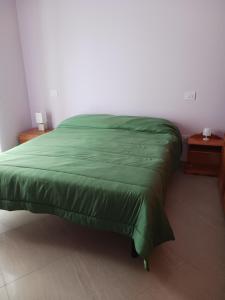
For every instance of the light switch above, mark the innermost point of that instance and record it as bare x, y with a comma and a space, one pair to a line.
53, 93
190, 96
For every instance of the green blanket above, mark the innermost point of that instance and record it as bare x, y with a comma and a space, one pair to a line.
107, 172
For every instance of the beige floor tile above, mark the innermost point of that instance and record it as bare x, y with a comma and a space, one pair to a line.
15, 219
184, 282
198, 222
3, 294
2, 279
3, 228
31, 247
61, 280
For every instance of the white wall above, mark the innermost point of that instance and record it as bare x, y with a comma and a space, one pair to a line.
14, 108
134, 57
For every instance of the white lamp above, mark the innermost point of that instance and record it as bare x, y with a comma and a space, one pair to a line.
41, 120
206, 133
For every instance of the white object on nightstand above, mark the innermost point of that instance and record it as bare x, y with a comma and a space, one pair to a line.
206, 133
41, 120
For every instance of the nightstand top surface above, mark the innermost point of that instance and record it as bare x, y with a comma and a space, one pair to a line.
197, 139
35, 131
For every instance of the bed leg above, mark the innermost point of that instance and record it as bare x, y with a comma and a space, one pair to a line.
134, 253
146, 265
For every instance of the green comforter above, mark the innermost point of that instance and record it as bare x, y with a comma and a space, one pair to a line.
107, 172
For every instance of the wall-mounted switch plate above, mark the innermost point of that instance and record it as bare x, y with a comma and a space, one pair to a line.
53, 93
190, 96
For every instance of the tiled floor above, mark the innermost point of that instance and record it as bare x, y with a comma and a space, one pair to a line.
43, 257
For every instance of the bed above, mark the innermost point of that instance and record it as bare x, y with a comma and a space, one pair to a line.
104, 171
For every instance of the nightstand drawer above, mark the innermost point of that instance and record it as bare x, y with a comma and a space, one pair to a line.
204, 158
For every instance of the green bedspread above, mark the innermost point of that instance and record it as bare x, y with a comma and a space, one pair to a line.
107, 172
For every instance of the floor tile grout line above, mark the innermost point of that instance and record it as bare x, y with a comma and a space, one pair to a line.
13, 229
36, 270
7, 292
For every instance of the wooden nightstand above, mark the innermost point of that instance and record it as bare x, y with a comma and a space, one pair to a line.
204, 157
30, 134
222, 177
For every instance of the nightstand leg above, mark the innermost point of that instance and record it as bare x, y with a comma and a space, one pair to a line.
146, 265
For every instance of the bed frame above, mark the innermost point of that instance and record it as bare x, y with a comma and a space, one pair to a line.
222, 177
